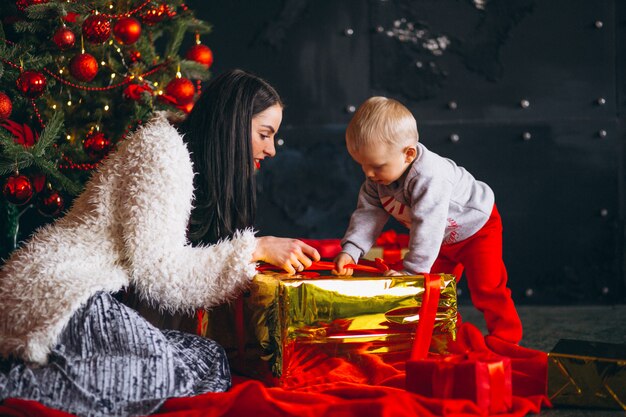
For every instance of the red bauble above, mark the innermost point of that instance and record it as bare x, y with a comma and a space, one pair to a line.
127, 30
18, 189
84, 67
96, 145
31, 84
50, 203
64, 38
96, 29
6, 106
182, 90
201, 54
23, 4
155, 15
187, 107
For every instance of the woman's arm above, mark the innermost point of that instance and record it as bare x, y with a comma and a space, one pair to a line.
154, 204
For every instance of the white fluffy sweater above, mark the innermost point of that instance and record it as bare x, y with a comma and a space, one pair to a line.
128, 226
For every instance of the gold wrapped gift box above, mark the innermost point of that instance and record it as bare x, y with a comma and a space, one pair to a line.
285, 328
587, 374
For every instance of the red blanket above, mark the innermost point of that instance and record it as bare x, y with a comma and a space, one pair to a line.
335, 389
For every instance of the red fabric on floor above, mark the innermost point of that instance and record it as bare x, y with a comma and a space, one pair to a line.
349, 393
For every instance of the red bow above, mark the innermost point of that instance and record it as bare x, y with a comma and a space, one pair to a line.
133, 91
23, 134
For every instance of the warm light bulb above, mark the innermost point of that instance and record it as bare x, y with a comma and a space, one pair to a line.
61, 71
102, 63
69, 102
156, 83
68, 137
113, 75
110, 6
160, 92
106, 107
140, 78
54, 107
178, 74
111, 42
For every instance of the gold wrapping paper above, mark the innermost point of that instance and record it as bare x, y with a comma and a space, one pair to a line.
587, 374
288, 319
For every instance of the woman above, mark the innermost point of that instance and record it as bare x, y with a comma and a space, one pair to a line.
65, 341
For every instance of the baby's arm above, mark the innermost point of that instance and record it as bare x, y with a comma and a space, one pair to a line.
366, 223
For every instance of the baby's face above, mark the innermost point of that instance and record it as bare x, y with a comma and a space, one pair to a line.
383, 163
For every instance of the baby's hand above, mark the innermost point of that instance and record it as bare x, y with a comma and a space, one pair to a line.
340, 261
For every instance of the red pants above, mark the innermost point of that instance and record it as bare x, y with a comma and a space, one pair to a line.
481, 257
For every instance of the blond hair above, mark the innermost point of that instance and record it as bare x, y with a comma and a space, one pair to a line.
381, 120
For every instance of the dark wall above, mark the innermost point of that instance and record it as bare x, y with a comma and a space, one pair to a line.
527, 95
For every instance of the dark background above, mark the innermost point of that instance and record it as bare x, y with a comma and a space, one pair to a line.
528, 95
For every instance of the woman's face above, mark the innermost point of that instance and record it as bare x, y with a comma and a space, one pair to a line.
264, 127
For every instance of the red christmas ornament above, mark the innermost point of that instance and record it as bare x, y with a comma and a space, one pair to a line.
96, 145
84, 67
96, 29
70, 17
134, 56
64, 38
187, 107
31, 84
23, 4
127, 30
181, 89
201, 54
155, 15
50, 203
6, 106
18, 189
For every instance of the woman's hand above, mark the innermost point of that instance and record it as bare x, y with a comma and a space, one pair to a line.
292, 255
340, 261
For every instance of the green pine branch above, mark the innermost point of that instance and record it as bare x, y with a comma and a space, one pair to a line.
50, 169
194, 70
179, 29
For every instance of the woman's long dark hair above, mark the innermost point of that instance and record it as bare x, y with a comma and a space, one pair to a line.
218, 135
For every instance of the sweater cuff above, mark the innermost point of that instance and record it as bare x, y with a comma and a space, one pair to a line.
353, 251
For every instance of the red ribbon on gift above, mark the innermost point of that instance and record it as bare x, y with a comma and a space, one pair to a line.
482, 377
392, 244
379, 266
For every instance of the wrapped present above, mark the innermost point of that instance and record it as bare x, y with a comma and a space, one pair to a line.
482, 377
587, 374
389, 246
285, 326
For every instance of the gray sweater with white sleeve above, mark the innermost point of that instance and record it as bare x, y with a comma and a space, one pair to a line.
438, 201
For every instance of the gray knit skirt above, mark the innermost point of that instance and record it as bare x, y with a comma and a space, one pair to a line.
112, 362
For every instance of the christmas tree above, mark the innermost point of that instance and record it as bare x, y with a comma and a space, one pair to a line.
75, 77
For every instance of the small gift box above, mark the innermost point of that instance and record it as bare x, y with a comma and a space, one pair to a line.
285, 326
587, 374
482, 377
